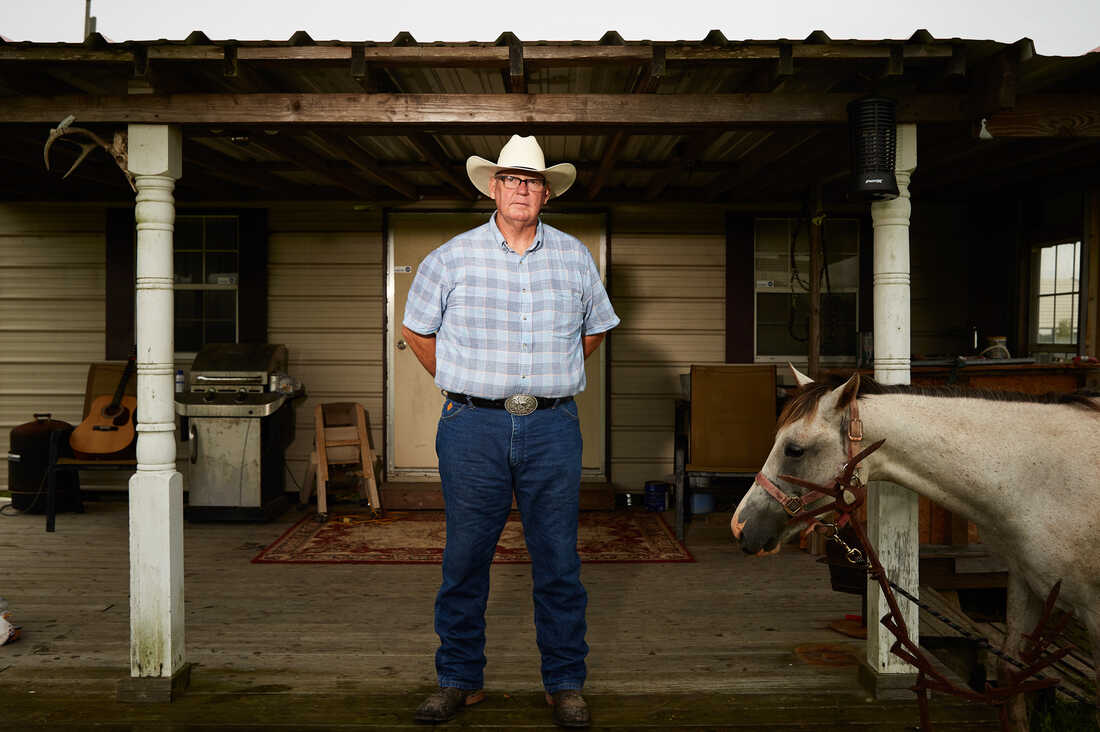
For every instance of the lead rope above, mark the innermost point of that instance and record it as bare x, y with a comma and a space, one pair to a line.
855, 558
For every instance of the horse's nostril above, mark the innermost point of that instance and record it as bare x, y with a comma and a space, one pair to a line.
748, 551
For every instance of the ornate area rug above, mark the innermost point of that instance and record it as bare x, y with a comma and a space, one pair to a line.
418, 537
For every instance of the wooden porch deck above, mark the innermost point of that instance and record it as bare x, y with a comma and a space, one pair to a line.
721, 643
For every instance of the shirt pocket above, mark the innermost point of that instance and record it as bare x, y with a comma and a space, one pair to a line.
567, 313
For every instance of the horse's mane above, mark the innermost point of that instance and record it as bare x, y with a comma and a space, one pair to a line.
804, 403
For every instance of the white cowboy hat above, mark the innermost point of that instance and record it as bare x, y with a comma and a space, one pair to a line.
521, 153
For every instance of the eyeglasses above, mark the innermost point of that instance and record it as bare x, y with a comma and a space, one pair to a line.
512, 182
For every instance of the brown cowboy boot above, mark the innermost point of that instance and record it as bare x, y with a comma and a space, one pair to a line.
445, 703
570, 708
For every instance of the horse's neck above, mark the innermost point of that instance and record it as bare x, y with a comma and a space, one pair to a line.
973, 456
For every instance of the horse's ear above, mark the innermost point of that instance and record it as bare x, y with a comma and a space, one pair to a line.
799, 378
848, 391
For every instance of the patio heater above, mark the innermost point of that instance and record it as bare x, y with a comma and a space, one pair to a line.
872, 130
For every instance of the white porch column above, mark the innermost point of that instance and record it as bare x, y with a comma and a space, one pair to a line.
892, 511
156, 489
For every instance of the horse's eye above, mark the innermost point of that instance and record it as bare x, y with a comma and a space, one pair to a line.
792, 450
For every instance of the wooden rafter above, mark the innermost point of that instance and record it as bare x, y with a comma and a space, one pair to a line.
771, 73
430, 150
314, 163
607, 162
768, 152
653, 72
515, 74
647, 82
352, 153
227, 168
484, 111
690, 150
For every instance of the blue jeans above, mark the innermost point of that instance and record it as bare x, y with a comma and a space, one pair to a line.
484, 456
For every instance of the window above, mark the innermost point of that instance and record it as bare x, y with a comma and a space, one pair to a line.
207, 251
782, 263
1056, 272
203, 243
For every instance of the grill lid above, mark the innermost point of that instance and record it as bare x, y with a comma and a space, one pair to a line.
248, 358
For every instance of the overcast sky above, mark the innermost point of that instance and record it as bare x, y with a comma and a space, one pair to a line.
1058, 27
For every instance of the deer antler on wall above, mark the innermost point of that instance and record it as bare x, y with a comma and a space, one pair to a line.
116, 148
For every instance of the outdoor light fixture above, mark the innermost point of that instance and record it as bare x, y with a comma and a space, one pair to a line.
872, 129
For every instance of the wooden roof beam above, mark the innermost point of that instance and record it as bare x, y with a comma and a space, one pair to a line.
368, 164
404, 53
1047, 115
484, 111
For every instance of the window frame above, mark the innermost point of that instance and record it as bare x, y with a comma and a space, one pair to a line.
205, 286
121, 253
1035, 259
836, 360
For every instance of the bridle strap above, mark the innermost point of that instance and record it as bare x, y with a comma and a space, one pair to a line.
793, 505
846, 489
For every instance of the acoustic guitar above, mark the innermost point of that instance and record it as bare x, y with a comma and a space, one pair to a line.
109, 427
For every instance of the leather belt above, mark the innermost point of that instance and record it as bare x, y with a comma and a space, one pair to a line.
517, 404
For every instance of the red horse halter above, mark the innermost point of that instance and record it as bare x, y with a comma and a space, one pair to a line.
846, 489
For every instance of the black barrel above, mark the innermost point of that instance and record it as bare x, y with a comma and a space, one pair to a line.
28, 460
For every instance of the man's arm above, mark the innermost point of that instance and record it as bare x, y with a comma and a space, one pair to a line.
423, 347
591, 343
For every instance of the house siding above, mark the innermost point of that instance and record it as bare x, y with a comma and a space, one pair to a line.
667, 282
326, 303
52, 290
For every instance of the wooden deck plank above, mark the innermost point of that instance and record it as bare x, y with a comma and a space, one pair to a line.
352, 645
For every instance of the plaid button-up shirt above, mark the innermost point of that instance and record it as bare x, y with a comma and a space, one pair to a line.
507, 323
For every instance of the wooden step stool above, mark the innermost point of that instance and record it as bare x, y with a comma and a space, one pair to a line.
341, 438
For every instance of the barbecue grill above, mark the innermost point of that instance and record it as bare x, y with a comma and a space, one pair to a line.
238, 419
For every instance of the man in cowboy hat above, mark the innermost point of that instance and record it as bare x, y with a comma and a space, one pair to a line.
503, 317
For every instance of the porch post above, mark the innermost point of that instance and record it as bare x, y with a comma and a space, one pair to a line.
892, 511
156, 489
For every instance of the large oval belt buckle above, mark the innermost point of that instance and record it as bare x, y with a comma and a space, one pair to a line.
521, 404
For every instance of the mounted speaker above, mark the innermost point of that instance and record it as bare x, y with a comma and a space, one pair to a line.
873, 132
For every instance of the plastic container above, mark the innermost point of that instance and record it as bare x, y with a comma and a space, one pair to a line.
656, 495
702, 502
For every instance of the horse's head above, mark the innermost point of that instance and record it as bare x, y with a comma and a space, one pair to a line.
811, 444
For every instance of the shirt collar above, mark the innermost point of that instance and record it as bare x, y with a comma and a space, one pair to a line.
499, 237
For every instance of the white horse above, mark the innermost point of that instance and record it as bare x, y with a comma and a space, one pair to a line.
1025, 469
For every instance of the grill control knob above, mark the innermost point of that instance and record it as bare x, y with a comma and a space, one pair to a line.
210, 395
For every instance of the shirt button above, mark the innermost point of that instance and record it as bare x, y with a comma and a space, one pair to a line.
525, 317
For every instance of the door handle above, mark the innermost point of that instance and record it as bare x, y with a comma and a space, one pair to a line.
401, 345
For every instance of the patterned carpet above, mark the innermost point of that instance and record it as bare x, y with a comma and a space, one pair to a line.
418, 537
